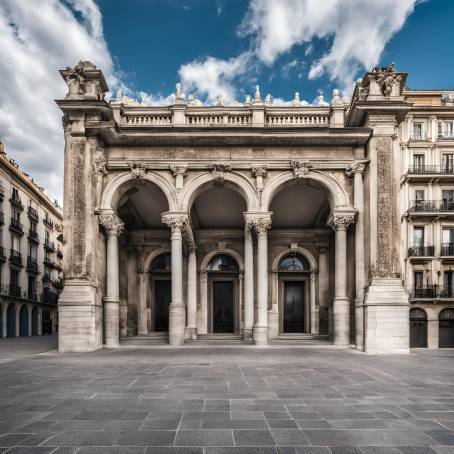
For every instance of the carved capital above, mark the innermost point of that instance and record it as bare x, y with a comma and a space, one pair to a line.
301, 169
341, 221
259, 171
203, 275
138, 170
261, 224
356, 167
176, 222
178, 170
112, 223
100, 166
248, 221
219, 171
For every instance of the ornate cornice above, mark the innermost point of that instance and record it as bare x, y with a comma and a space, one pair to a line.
112, 223
301, 169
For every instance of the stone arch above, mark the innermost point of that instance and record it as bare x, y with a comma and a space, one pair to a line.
110, 195
152, 256
337, 195
299, 250
11, 316
233, 181
206, 260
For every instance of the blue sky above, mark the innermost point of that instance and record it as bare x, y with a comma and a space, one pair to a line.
211, 46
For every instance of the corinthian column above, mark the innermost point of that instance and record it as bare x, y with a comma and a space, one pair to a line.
177, 313
357, 169
260, 330
340, 221
248, 279
113, 226
192, 292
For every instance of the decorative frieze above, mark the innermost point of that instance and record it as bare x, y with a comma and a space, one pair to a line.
301, 169
219, 171
112, 223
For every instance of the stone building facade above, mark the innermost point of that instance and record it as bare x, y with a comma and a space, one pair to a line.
249, 219
31, 252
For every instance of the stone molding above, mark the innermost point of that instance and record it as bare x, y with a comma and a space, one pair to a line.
301, 169
112, 223
178, 170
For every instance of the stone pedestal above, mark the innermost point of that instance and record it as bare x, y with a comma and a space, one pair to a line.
386, 317
273, 324
260, 335
80, 318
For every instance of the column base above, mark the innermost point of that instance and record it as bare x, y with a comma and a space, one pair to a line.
190, 333
273, 324
111, 323
260, 335
341, 318
177, 324
247, 334
79, 318
386, 320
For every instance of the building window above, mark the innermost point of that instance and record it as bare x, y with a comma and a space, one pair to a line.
418, 131
14, 278
448, 130
418, 279
418, 236
15, 243
32, 288
33, 226
418, 162
32, 251
447, 197
448, 283
15, 195
448, 163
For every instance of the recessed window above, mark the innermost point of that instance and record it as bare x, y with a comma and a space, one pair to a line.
162, 262
418, 131
223, 263
294, 262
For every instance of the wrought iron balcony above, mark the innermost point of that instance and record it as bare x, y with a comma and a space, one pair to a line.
58, 283
447, 250
428, 206
16, 201
16, 226
49, 297
431, 170
48, 222
32, 213
32, 264
15, 291
33, 236
15, 258
446, 292
427, 292
32, 295
418, 136
49, 263
421, 250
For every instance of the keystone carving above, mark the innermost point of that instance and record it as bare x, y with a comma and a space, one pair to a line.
386, 77
301, 169
219, 171
138, 171
112, 223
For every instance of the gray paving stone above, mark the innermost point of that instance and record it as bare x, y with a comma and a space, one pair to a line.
83, 438
207, 437
146, 438
253, 438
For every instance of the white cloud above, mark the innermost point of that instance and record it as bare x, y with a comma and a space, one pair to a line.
211, 76
38, 38
359, 29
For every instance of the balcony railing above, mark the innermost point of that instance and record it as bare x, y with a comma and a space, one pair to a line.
446, 292
16, 226
15, 291
58, 283
446, 136
33, 236
427, 206
420, 250
431, 170
49, 245
49, 263
32, 213
447, 249
418, 136
428, 292
48, 222
32, 295
16, 201
49, 297
15, 258
32, 264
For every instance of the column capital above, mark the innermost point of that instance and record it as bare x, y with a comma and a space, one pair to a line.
178, 169
262, 224
340, 220
259, 171
357, 166
112, 223
176, 221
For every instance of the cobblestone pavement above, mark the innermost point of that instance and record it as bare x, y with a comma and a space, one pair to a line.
224, 400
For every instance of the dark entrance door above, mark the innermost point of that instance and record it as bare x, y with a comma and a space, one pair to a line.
46, 323
293, 307
418, 329
163, 294
223, 307
446, 329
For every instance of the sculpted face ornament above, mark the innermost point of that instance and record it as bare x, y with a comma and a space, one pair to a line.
386, 77
301, 169
138, 171
219, 171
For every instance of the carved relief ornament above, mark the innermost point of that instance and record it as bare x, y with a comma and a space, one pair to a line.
178, 170
259, 171
301, 169
112, 223
386, 77
100, 166
138, 170
219, 171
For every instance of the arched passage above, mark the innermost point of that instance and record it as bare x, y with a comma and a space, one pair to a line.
23, 321
11, 321
446, 328
418, 328
35, 321
161, 292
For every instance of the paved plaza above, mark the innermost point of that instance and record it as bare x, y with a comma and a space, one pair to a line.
222, 400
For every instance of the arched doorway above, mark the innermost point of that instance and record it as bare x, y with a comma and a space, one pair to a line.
23, 321
223, 272
294, 292
418, 328
446, 328
35, 321
11, 321
161, 292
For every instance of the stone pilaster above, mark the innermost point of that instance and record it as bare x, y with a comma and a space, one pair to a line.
192, 293
248, 278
